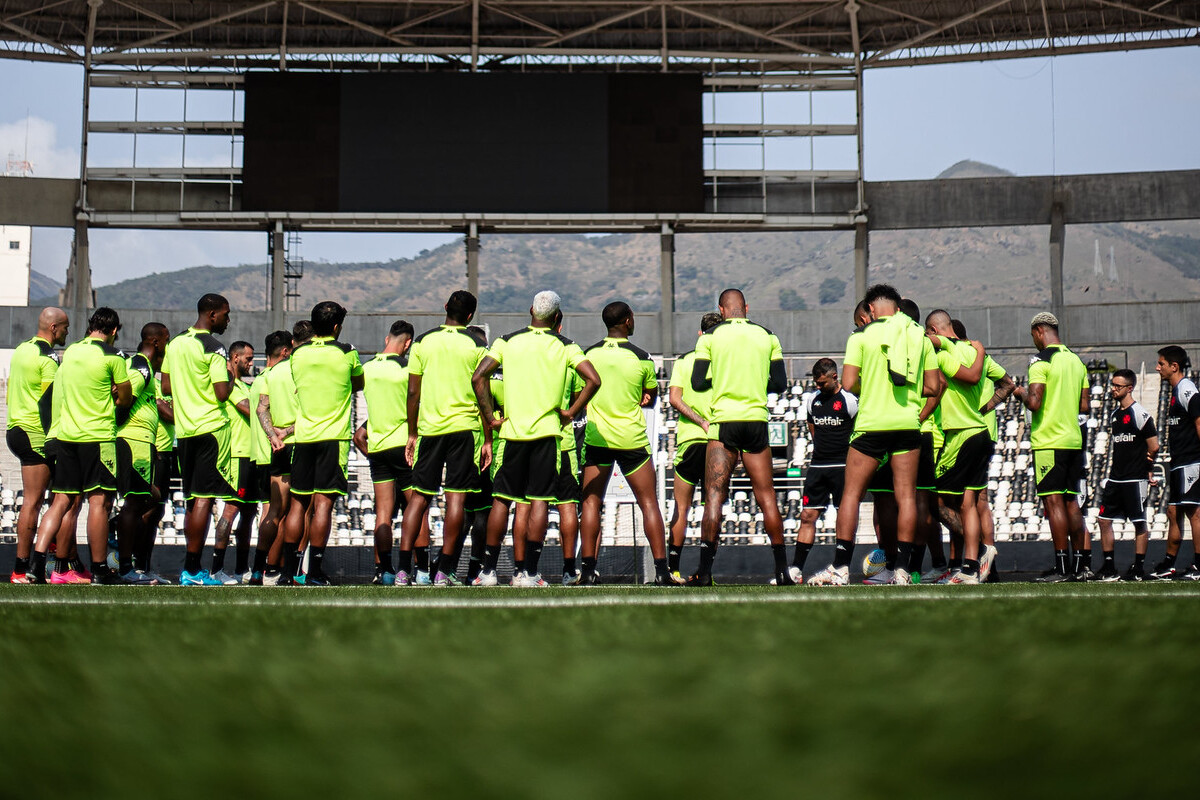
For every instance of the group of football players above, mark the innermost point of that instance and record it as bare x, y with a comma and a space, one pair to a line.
492, 427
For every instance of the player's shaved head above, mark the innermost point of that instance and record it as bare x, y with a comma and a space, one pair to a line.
153, 331
732, 300
50, 316
939, 321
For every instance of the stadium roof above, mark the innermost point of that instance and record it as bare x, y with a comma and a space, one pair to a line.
492, 34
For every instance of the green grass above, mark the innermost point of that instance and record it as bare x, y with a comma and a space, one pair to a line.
999, 691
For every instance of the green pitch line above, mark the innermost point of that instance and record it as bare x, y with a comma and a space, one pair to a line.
1008, 691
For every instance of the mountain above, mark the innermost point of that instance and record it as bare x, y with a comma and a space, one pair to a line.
974, 169
789, 270
43, 290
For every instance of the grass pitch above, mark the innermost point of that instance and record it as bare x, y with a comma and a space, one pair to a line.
999, 691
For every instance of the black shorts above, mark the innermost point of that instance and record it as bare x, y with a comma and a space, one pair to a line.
823, 486
452, 452
85, 467
281, 461
927, 465
247, 479
689, 463
390, 465
206, 465
482, 499
1124, 500
1058, 471
963, 463
529, 470
1185, 486
566, 484
880, 445
881, 481
320, 467
630, 461
23, 447
135, 468
165, 470
262, 483
744, 437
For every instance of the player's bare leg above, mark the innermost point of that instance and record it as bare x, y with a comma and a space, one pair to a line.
719, 462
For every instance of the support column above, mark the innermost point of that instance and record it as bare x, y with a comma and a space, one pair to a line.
862, 260
277, 250
76, 295
667, 276
1058, 231
472, 242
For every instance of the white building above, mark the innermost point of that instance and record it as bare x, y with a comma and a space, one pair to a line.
15, 263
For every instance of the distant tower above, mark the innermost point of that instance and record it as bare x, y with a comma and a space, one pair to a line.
1097, 267
1112, 265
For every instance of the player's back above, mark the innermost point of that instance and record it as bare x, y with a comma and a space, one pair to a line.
615, 417
196, 360
739, 353
446, 358
323, 370
385, 388
83, 389
30, 373
1056, 422
537, 364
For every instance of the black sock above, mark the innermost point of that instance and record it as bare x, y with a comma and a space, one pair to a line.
917, 558
385, 561
708, 552
1196, 560
843, 551
76, 563
674, 554
589, 566
779, 551
903, 554
1076, 561
474, 567
970, 566
218, 559
938, 561
422, 555
569, 566
241, 563
802, 551
21, 566
491, 557
518, 566
99, 568
404, 561
1139, 560
955, 564
1170, 559
37, 564
889, 561
1060, 561
260, 560
62, 565
1087, 559
533, 556
1110, 560
291, 562
191, 563
125, 564
316, 560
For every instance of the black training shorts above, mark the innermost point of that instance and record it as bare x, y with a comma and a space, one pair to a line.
689, 463
206, 465
743, 437
630, 461
320, 467
135, 468
281, 461
452, 452
1124, 500
1058, 471
390, 465
19, 442
823, 486
85, 467
529, 470
964, 462
1185, 486
880, 445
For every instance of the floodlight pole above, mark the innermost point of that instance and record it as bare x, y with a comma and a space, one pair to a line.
667, 276
1058, 230
472, 242
862, 250
278, 278
78, 289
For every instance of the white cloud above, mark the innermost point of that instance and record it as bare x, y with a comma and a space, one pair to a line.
35, 140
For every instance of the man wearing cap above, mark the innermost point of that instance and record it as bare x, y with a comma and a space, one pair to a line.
1057, 393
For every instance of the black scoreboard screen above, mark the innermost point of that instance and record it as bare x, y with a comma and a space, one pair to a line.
455, 142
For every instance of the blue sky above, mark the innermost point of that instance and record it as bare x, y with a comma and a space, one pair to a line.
1111, 112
